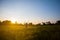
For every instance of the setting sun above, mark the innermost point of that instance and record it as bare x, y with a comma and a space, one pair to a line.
13, 20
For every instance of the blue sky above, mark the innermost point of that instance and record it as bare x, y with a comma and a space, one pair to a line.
35, 11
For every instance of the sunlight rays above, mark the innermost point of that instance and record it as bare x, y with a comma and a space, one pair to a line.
13, 20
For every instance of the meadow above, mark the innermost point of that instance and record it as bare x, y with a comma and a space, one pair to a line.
31, 32
10, 31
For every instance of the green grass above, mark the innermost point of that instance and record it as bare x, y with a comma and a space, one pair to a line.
43, 32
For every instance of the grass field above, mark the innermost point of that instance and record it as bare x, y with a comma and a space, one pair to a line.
43, 32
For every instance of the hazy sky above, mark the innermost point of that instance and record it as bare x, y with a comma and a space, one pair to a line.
30, 10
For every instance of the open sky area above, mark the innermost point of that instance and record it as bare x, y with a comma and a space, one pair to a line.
35, 11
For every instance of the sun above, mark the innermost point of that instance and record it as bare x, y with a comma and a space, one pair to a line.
13, 20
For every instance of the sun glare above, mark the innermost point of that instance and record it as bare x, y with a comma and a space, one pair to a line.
13, 20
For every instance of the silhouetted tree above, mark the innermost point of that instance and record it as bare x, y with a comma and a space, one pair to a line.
6, 22
48, 23
58, 22
26, 25
43, 23
38, 24
30, 24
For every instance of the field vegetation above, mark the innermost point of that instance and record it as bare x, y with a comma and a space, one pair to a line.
44, 31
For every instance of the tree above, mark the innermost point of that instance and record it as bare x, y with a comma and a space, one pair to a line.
58, 22
43, 23
48, 23
26, 25
6, 22
38, 24
30, 24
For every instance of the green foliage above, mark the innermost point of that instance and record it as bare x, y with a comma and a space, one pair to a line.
29, 32
44, 32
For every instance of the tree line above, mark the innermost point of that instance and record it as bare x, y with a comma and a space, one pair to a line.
8, 22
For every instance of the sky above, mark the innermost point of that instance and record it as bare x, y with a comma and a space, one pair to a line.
35, 11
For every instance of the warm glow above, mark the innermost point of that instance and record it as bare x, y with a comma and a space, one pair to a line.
13, 20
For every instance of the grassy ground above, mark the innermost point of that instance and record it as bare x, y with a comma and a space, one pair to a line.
43, 32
